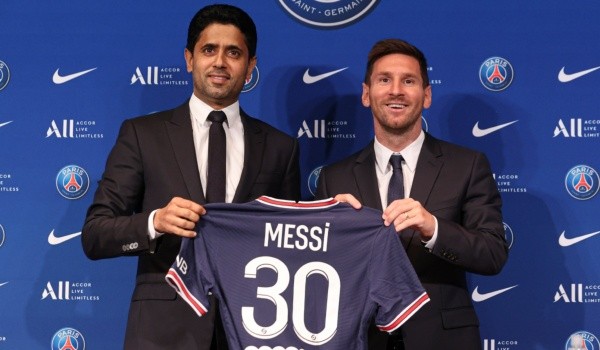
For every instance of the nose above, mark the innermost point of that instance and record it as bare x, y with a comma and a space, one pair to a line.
397, 87
220, 59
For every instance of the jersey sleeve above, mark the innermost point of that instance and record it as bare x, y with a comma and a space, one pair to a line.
186, 275
395, 286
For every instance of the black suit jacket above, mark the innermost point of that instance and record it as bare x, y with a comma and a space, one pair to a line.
153, 161
456, 186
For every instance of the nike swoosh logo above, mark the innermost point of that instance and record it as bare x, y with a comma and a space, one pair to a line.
1, 284
311, 79
5, 123
61, 79
565, 242
477, 132
478, 297
565, 78
52, 239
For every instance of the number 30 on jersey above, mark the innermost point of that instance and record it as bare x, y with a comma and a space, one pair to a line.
273, 294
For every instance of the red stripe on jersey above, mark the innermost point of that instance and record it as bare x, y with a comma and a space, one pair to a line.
404, 316
175, 281
287, 203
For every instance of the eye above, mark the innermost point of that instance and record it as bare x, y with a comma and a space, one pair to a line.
235, 53
409, 81
208, 50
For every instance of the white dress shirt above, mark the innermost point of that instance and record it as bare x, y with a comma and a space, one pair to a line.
384, 171
234, 133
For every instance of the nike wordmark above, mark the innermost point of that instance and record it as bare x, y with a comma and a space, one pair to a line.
61, 79
311, 79
478, 297
565, 78
477, 132
565, 242
53, 240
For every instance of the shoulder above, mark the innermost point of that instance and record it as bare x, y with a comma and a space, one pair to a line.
366, 154
177, 115
448, 149
256, 126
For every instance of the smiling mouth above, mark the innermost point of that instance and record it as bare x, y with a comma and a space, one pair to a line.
396, 105
218, 78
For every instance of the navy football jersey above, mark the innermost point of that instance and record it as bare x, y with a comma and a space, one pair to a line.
306, 275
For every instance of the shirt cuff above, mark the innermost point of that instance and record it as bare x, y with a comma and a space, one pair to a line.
152, 233
431, 242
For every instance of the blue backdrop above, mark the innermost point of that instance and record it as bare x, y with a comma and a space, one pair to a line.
514, 79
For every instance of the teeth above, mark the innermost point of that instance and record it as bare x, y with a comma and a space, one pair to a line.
394, 105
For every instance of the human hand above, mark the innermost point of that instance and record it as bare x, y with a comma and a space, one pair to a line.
179, 217
348, 198
404, 213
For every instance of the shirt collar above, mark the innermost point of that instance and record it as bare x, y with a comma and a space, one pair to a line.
410, 154
199, 111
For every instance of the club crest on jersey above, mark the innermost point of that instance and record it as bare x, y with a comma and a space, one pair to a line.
582, 340
313, 179
327, 13
581, 182
68, 339
253, 81
72, 182
496, 73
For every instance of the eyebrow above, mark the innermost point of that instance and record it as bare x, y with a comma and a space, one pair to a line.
227, 47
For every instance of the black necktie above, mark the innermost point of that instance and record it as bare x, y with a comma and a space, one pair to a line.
216, 179
396, 186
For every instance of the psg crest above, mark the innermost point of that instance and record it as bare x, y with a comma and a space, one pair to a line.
327, 13
582, 182
313, 179
582, 340
72, 182
496, 74
68, 339
4, 75
252, 82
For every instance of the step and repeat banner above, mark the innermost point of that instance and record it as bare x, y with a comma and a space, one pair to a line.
516, 80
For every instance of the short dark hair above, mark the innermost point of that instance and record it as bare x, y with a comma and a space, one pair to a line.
393, 46
222, 14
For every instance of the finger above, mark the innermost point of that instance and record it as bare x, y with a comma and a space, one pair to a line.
394, 211
350, 199
185, 233
179, 227
188, 204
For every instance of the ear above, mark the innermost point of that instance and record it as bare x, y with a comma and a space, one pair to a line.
251, 66
427, 98
188, 59
365, 95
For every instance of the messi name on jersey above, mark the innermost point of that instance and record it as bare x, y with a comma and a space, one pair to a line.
307, 275
290, 236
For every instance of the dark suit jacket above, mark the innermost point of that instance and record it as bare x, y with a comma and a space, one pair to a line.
456, 186
153, 161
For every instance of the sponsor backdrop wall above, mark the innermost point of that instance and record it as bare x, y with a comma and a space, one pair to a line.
516, 80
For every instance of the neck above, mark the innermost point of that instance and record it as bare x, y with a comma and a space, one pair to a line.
397, 140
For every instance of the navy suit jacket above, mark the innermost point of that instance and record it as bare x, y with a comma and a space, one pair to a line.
456, 185
154, 160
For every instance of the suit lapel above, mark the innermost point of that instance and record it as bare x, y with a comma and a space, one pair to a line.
254, 144
366, 178
179, 128
428, 168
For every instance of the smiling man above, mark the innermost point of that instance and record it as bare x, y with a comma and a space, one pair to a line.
158, 178
441, 198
